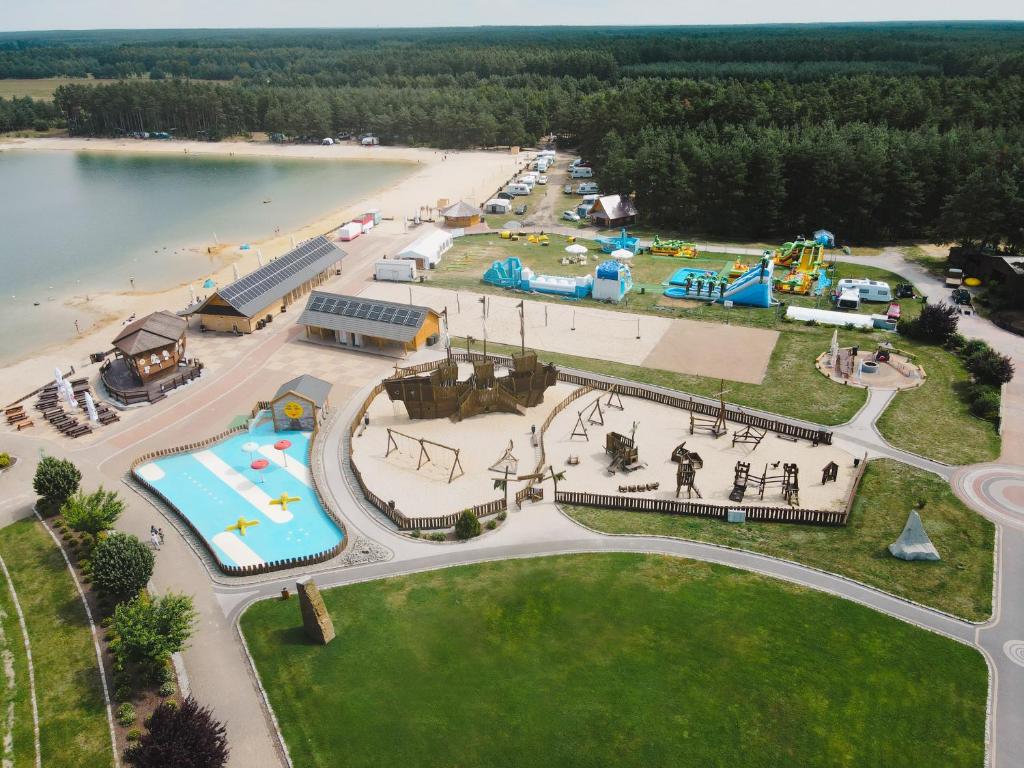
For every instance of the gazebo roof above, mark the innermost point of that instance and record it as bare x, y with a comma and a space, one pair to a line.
151, 332
460, 210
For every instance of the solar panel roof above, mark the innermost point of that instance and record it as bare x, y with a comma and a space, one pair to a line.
272, 281
373, 317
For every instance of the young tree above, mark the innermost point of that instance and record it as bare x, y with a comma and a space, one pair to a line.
93, 512
121, 566
935, 324
467, 526
147, 631
185, 737
55, 480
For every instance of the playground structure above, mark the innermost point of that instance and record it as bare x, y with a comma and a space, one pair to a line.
440, 393
624, 242
789, 480
749, 435
686, 477
624, 452
752, 288
741, 477
611, 280
714, 425
883, 368
423, 457
807, 271
676, 248
507, 464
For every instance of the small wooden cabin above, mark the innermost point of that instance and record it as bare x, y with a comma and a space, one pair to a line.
299, 404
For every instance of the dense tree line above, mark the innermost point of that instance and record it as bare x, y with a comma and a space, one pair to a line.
19, 113
876, 131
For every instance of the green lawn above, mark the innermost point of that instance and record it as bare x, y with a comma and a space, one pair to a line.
960, 583
616, 659
38, 88
464, 265
932, 420
72, 716
14, 686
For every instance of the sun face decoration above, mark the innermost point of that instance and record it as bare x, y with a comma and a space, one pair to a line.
293, 410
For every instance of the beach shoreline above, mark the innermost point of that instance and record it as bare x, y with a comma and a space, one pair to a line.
436, 176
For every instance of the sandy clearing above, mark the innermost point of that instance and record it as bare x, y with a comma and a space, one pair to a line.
600, 333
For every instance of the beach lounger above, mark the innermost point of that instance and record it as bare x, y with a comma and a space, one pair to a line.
14, 409
24, 425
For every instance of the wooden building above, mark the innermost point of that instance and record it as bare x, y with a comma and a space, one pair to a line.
613, 211
249, 302
462, 214
370, 324
152, 346
300, 404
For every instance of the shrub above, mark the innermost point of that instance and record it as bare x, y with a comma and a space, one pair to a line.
985, 403
5, 460
990, 367
133, 735
94, 512
168, 688
149, 631
416, 533
437, 537
955, 341
126, 714
166, 674
492, 524
121, 565
185, 737
55, 480
502, 515
810, 323
973, 347
123, 692
467, 526
105, 622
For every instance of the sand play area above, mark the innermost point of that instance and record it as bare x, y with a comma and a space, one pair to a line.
867, 370
731, 352
482, 440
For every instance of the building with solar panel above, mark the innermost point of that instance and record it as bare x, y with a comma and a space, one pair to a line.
252, 301
369, 324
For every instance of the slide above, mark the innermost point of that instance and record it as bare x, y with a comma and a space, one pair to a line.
754, 288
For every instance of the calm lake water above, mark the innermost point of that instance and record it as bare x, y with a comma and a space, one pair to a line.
74, 223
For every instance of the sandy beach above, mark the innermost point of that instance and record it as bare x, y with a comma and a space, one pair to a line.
471, 175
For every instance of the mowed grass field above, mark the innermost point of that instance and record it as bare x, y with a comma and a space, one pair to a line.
616, 659
960, 583
72, 715
41, 88
464, 265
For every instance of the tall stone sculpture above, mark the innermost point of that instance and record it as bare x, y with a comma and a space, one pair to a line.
913, 543
315, 619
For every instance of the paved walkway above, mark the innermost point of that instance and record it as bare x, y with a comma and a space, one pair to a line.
218, 668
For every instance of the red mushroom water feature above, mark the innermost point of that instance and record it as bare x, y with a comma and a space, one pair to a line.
259, 465
283, 445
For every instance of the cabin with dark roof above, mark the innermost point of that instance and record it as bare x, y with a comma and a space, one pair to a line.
369, 324
252, 301
613, 211
151, 346
300, 404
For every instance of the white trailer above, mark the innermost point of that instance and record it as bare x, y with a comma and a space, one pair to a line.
396, 270
868, 290
350, 231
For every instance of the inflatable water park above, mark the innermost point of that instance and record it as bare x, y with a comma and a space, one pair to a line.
611, 281
751, 287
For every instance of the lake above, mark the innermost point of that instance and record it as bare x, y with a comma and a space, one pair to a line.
74, 223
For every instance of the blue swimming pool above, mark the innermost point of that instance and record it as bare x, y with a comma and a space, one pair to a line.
239, 511
680, 275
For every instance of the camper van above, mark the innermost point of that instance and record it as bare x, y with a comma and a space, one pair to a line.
868, 290
529, 179
848, 299
517, 189
587, 188
581, 172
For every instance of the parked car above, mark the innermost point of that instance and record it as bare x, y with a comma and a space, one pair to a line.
567, 189
542, 179
904, 291
570, 216
520, 209
505, 196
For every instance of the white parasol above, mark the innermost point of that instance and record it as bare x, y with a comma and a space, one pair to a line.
90, 408
576, 248
622, 254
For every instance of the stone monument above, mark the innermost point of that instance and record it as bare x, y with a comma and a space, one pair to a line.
913, 543
315, 619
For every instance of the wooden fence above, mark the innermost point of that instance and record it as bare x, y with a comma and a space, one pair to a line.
699, 509
239, 570
395, 515
732, 413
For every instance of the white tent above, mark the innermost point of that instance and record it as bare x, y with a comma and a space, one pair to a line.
427, 250
498, 205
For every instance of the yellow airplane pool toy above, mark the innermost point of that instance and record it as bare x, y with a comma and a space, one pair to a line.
242, 525
284, 501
